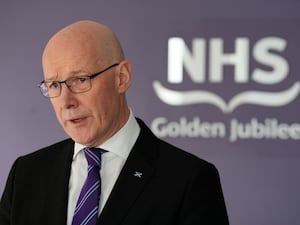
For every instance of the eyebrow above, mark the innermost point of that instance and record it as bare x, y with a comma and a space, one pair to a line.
75, 73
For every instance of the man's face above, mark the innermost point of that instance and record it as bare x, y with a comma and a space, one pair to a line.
91, 117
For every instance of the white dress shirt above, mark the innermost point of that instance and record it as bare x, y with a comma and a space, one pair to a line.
118, 147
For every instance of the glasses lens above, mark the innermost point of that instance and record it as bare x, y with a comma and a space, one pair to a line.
44, 89
50, 89
79, 84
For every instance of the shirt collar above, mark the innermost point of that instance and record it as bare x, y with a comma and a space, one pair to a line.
121, 142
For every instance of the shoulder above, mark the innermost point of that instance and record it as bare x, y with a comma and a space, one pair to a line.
49, 153
182, 159
169, 154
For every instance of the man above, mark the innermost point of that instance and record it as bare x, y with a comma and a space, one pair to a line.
143, 179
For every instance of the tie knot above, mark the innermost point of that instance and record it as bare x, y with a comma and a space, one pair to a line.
93, 156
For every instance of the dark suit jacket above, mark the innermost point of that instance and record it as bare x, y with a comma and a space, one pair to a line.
175, 188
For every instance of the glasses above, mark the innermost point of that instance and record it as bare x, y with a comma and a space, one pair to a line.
52, 89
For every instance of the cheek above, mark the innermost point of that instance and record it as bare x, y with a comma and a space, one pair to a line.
101, 101
57, 111
103, 109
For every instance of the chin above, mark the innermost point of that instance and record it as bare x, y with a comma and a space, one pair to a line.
80, 140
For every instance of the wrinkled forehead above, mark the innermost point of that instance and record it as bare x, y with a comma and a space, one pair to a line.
67, 53
84, 45
69, 59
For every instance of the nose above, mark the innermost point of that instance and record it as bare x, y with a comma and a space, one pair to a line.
67, 98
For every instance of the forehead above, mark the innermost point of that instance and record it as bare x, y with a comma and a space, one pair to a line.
63, 71
66, 62
73, 51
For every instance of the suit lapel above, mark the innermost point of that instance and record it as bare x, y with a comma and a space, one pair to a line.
58, 184
133, 178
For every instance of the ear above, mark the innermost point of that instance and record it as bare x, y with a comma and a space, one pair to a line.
123, 76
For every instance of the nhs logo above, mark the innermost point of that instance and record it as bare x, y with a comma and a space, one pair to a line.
205, 61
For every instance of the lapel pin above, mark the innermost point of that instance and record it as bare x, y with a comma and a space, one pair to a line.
138, 174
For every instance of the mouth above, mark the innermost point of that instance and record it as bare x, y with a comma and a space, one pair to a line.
77, 121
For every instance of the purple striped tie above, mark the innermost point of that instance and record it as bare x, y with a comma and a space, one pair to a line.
86, 211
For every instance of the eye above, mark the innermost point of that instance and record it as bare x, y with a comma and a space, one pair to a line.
82, 79
78, 81
53, 85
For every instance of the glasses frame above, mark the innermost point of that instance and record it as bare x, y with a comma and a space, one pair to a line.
90, 77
